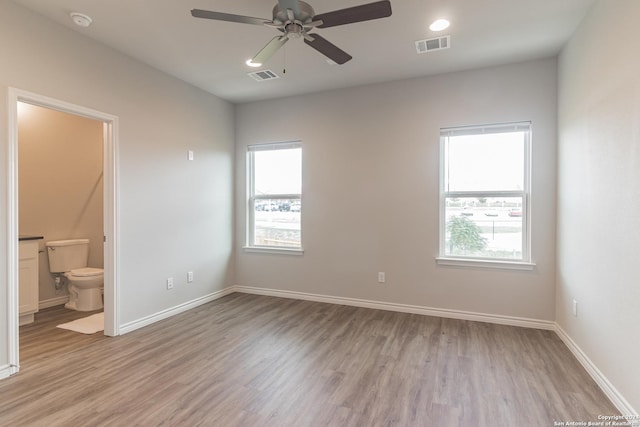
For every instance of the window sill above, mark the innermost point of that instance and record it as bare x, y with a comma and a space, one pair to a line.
488, 264
274, 250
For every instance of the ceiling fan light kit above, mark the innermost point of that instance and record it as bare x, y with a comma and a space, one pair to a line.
295, 19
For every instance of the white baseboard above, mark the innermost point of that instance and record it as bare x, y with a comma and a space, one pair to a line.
610, 391
137, 324
7, 370
52, 302
605, 385
403, 308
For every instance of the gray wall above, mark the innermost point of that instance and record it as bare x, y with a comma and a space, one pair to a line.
175, 216
370, 189
599, 192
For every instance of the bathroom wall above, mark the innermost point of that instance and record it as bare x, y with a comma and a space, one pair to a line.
59, 183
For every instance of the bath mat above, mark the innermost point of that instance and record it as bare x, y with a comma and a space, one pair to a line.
86, 325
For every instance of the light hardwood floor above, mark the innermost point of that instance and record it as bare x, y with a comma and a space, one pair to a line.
248, 360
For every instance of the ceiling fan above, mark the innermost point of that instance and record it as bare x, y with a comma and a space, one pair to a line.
295, 18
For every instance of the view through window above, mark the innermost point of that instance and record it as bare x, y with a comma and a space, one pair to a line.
485, 192
275, 189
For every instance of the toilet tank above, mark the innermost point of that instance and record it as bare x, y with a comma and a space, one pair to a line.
66, 255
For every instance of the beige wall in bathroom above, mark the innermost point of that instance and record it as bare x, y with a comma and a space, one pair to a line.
59, 183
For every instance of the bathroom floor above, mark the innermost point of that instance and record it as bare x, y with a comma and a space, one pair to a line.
42, 340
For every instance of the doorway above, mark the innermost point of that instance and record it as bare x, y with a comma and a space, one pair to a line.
109, 214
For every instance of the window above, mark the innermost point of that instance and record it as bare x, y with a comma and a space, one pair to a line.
274, 190
484, 193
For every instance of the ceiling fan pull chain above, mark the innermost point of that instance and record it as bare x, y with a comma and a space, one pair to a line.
284, 60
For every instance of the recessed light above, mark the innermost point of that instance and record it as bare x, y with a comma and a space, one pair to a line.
250, 63
439, 25
80, 19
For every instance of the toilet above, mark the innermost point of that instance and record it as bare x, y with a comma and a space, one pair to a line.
85, 284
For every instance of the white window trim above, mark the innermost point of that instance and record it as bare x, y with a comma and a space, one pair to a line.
273, 250
485, 263
252, 197
526, 262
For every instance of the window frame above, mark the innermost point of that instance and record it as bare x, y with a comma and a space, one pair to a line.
250, 245
524, 263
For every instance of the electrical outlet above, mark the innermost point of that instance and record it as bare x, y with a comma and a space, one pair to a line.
190, 277
170, 283
381, 277
575, 308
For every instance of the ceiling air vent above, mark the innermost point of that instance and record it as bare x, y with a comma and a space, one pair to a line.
263, 75
429, 45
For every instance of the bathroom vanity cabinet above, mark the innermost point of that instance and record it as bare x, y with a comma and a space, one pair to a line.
28, 279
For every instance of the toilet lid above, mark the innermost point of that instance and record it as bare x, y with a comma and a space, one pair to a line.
87, 272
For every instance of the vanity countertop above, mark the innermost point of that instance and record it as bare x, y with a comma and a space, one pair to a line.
24, 237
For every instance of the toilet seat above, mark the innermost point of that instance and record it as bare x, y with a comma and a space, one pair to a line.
86, 272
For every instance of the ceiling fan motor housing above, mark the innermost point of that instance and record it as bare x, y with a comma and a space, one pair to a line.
305, 13
293, 30
295, 19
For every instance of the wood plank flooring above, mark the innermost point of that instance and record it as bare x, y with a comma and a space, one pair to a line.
42, 340
247, 360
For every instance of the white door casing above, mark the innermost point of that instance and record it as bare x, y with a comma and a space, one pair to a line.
111, 217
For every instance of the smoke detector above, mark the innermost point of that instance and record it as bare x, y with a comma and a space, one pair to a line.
80, 19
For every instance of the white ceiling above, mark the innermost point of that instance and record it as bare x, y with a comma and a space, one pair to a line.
211, 54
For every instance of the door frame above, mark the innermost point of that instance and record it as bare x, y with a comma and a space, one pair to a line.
110, 214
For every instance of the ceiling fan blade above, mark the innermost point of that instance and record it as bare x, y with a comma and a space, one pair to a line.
219, 16
289, 4
271, 48
327, 48
365, 12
